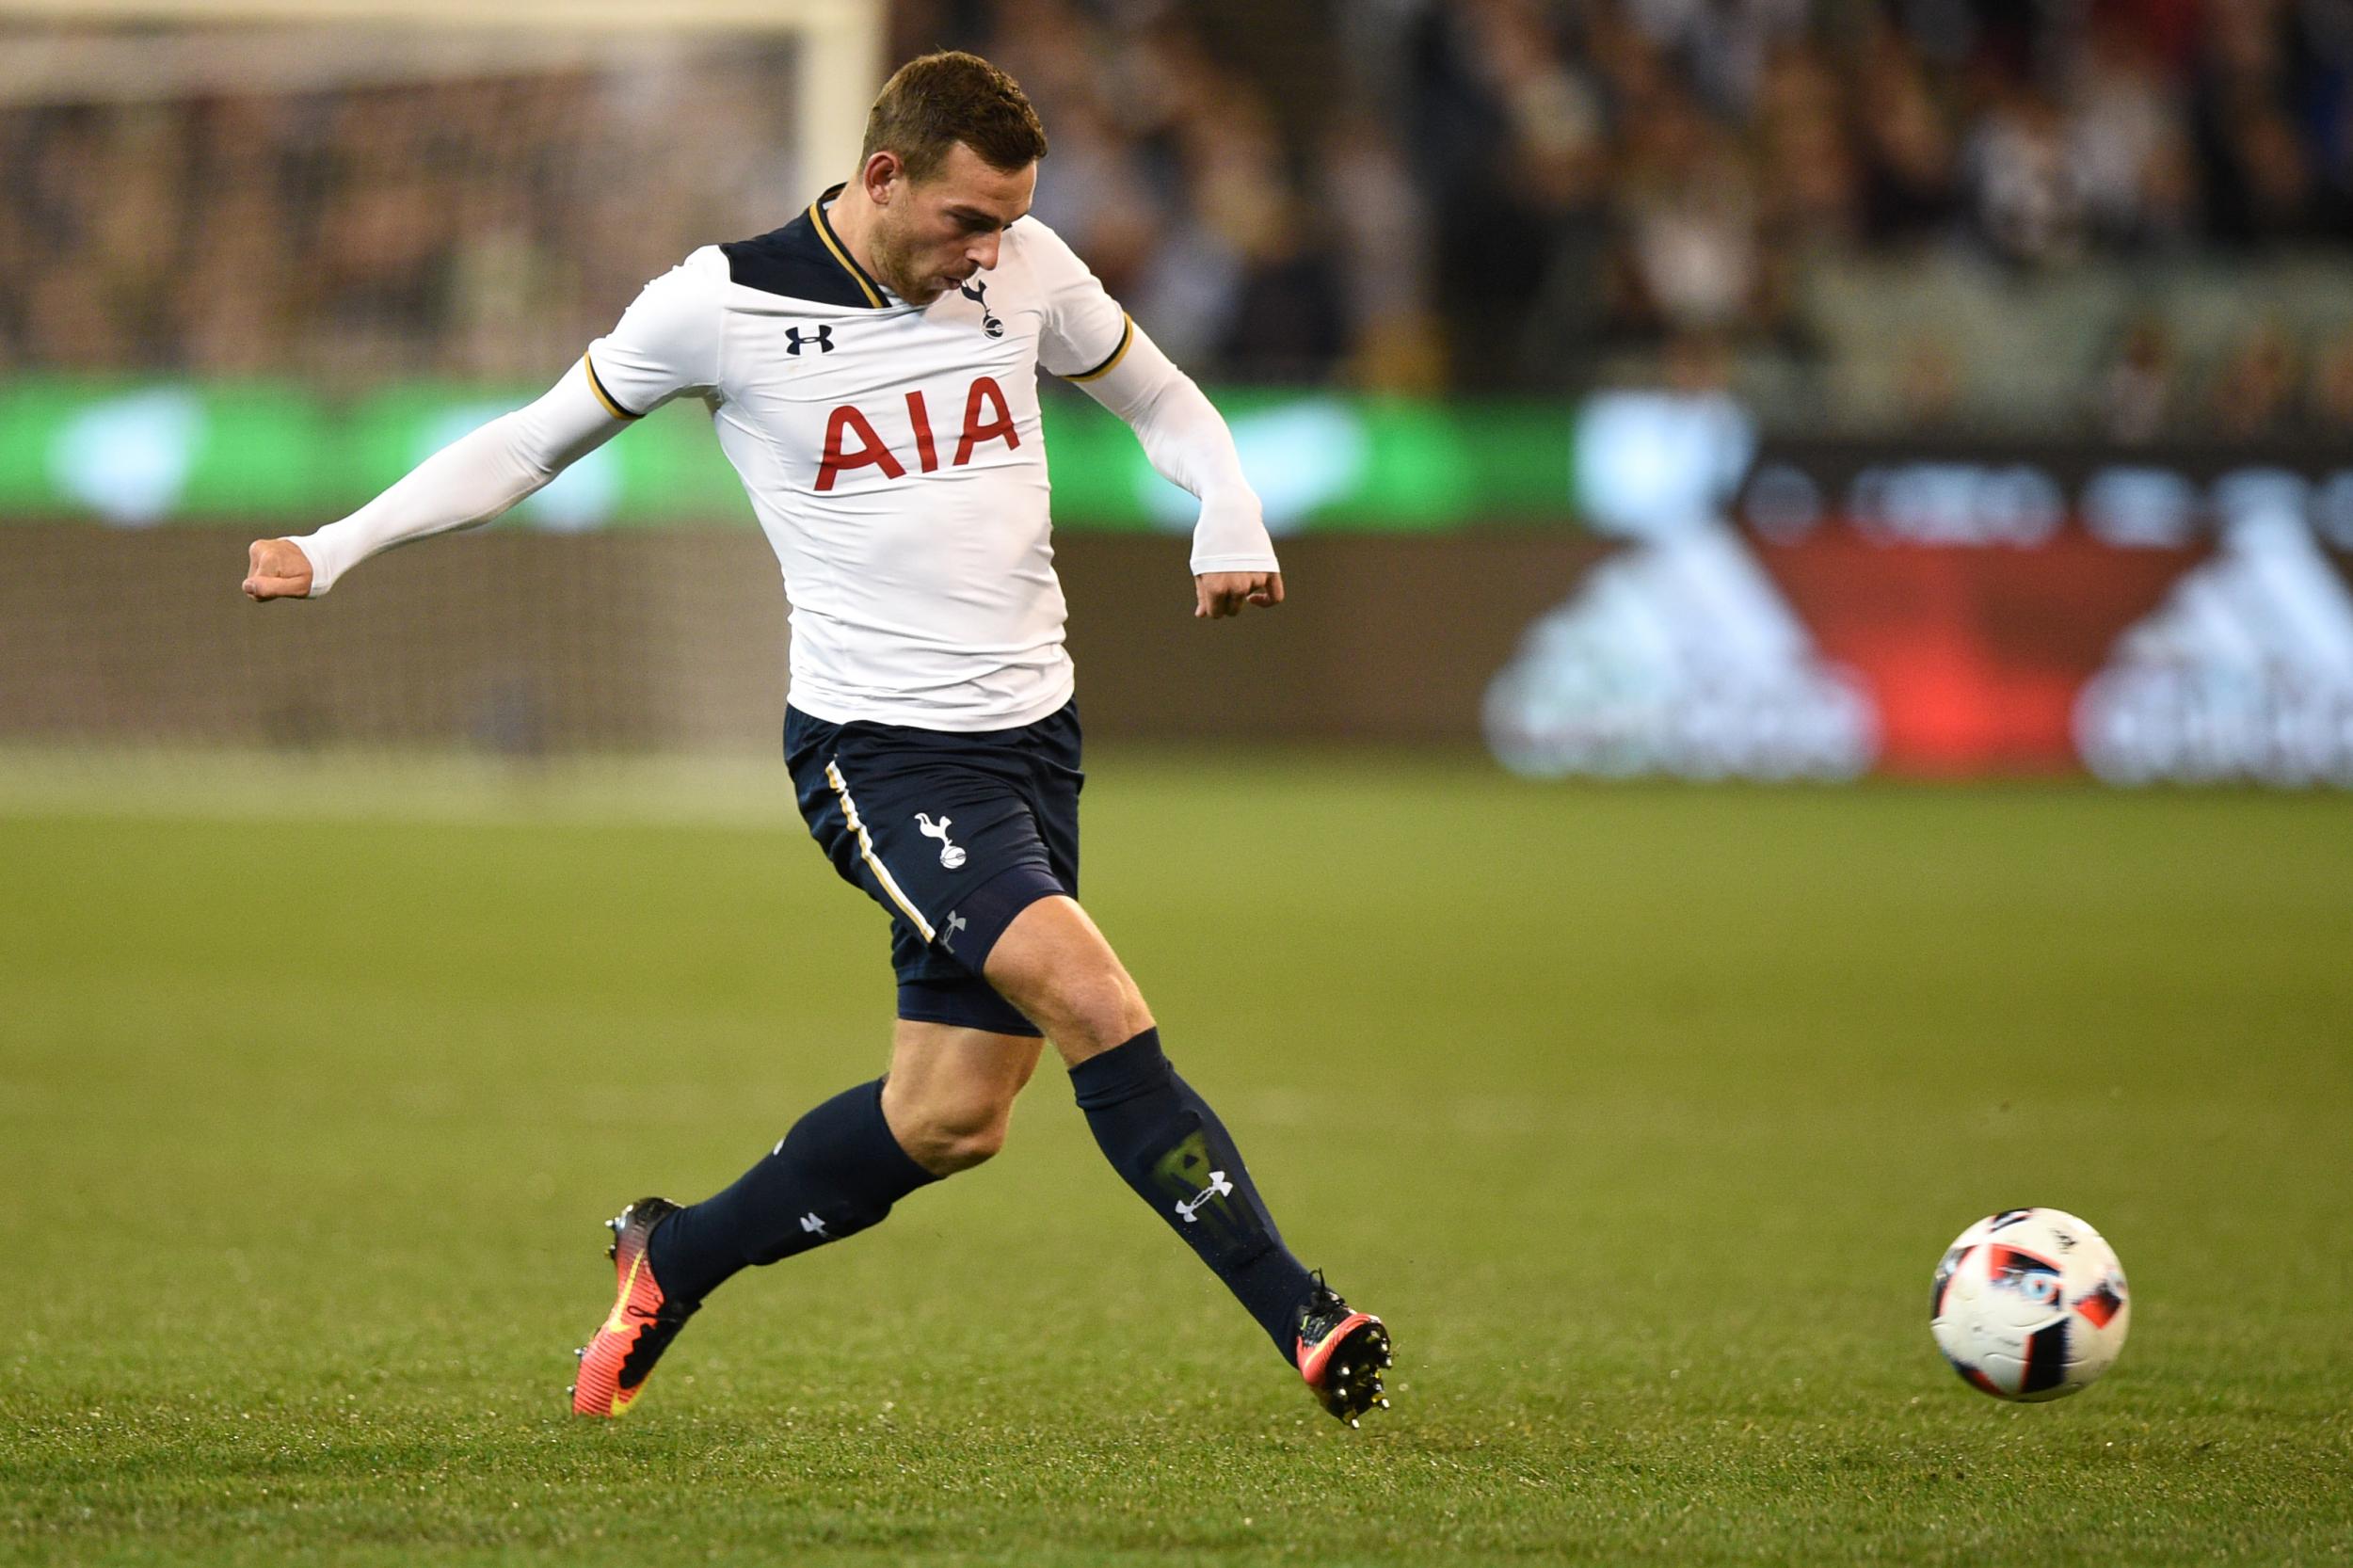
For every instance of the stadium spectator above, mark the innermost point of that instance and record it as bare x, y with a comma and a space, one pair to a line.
2254, 391
2024, 200
1418, 194
2139, 392
1909, 181
2328, 398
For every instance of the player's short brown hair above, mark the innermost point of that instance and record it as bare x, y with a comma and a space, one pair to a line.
936, 100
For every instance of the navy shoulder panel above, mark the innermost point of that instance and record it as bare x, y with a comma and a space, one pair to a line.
804, 259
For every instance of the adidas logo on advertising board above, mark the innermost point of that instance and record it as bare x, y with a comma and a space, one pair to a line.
2244, 672
1678, 657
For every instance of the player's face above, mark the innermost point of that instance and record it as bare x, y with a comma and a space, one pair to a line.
936, 233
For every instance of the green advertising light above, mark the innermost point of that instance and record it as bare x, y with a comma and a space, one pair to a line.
137, 454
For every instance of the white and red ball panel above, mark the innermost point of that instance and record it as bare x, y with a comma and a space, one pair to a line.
2030, 1304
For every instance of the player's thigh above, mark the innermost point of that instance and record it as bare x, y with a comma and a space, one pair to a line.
1054, 963
938, 828
953, 1077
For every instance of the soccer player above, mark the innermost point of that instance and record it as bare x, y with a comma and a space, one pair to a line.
870, 369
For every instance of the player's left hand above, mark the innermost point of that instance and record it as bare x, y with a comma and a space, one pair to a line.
1218, 594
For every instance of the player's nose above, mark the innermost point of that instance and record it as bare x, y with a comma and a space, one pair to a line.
982, 252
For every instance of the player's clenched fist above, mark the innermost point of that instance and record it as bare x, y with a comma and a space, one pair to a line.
277, 568
1218, 594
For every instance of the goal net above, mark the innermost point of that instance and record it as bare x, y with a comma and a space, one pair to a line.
264, 255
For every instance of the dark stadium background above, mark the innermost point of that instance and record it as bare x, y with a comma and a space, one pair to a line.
2011, 343
1815, 705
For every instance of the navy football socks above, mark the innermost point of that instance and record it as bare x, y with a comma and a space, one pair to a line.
1170, 1147
837, 1172
840, 1170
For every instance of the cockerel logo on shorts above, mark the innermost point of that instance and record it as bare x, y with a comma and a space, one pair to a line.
950, 856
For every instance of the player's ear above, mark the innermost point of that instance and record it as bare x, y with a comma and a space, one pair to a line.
882, 172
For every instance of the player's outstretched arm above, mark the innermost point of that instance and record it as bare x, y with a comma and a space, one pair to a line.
469, 481
1185, 439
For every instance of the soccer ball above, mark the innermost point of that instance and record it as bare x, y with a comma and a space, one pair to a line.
2030, 1304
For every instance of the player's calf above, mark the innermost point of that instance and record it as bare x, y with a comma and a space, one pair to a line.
1172, 1149
948, 1098
837, 1172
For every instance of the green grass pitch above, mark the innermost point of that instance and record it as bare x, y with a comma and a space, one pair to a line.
1641, 1114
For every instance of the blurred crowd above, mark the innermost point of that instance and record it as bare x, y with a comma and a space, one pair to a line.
477, 226
1519, 194
1396, 195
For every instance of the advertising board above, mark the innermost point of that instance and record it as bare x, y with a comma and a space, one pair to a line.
1823, 609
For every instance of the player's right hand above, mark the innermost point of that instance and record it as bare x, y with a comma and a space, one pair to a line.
277, 568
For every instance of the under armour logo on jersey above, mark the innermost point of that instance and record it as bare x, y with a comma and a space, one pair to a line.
950, 856
990, 323
822, 338
1217, 1188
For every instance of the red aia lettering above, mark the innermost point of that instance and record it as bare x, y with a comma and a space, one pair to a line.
1000, 429
987, 418
842, 422
921, 418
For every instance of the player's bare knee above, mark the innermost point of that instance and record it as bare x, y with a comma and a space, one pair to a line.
1054, 965
1090, 1011
951, 1151
957, 1133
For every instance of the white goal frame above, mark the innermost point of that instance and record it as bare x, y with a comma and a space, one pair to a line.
838, 67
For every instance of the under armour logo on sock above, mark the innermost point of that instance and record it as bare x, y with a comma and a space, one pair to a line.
1217, 1188
814, 1225
822, 338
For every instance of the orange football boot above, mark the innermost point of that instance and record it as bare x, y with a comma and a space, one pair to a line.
1342, 1353
614, 1364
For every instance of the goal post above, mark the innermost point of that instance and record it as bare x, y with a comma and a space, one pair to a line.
286, 242
838, 43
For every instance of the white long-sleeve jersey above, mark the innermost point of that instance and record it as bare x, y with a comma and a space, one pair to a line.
893, 454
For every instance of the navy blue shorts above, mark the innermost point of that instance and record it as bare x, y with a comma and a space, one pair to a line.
953, 834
